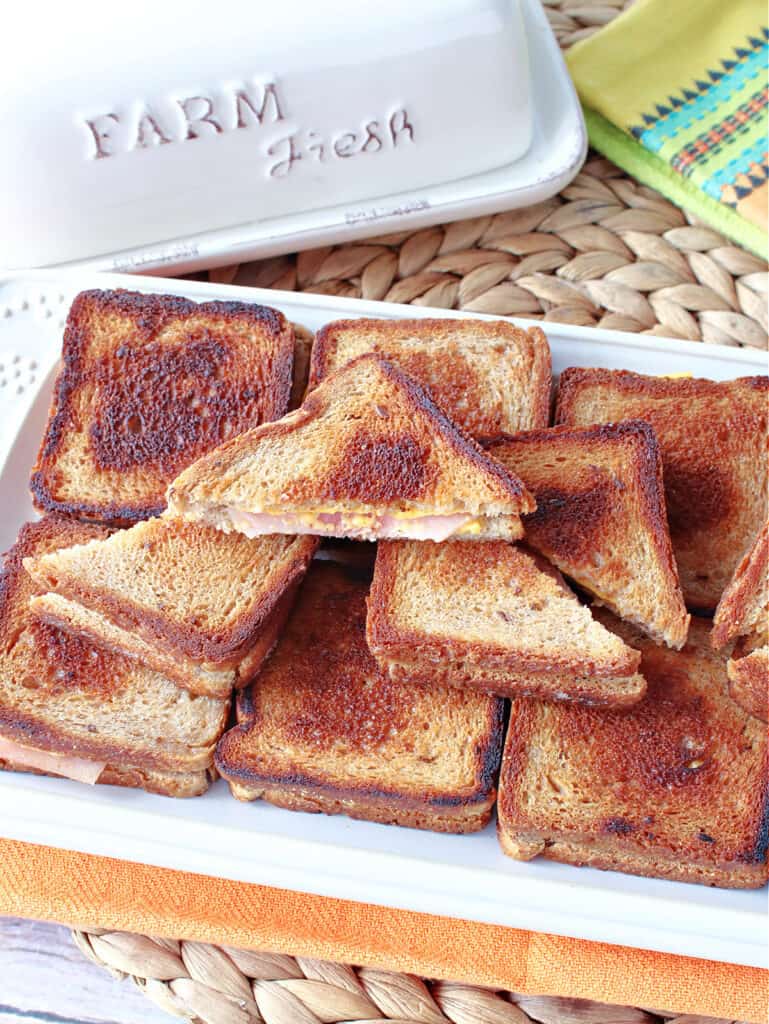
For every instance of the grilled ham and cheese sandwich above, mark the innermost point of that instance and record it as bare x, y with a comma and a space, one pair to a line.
368, 455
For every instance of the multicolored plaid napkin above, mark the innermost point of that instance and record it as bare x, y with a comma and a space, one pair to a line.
675, 92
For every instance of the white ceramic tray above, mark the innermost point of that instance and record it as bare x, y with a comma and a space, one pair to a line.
459, 876
558, 148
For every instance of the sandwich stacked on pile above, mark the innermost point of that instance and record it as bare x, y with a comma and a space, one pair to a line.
120, 648
559, 575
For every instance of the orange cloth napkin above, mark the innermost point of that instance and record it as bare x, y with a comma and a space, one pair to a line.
83, 890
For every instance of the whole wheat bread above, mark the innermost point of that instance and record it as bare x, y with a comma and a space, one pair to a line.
148, 384
743, 616
62, 695
199, 605
492, 617
323, 729
486, 375
367, 455
675, 787
713, 438
601, 517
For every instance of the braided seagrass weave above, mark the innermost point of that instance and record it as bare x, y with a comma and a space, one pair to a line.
606, 252
219, 985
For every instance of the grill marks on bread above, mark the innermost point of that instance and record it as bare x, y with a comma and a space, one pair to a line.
148, 384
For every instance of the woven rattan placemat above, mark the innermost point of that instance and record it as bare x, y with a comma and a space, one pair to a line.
606, 252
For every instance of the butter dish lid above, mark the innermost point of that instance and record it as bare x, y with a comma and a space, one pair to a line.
176, 135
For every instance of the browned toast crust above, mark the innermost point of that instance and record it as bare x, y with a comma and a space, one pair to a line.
35, 657
676, 787
713, 438
584, 509
161, 783
149, 407
456, 379
369, 471
321, 694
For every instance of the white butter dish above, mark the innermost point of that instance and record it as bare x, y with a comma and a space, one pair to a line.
177, 136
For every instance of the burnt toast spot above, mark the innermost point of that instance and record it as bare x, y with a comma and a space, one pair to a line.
697, 498
567, 522
159, 405
618, 827
381, 470
70, 663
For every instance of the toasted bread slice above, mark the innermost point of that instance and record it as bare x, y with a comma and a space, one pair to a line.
323, 729
743, 610
713, 438
199, 605
486, 375
601, 517
60, 695
148, 384
367, 455
743, 616
675, 787
748, 671
490, 617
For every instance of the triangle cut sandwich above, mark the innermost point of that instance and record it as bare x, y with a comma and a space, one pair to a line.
714, 440
496, 618
71, 709
368, 455
322, 728
742, 619
601, 517
201, 606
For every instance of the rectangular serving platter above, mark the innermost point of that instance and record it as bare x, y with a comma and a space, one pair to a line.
456, 876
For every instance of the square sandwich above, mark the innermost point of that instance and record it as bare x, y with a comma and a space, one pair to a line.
72, 709
487, 376
148, 384
676, 787
323, 729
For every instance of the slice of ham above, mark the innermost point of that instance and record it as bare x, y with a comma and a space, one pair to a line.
76, 768
336, 524
436, 528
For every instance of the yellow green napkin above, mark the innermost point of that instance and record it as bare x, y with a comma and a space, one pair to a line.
675, 93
